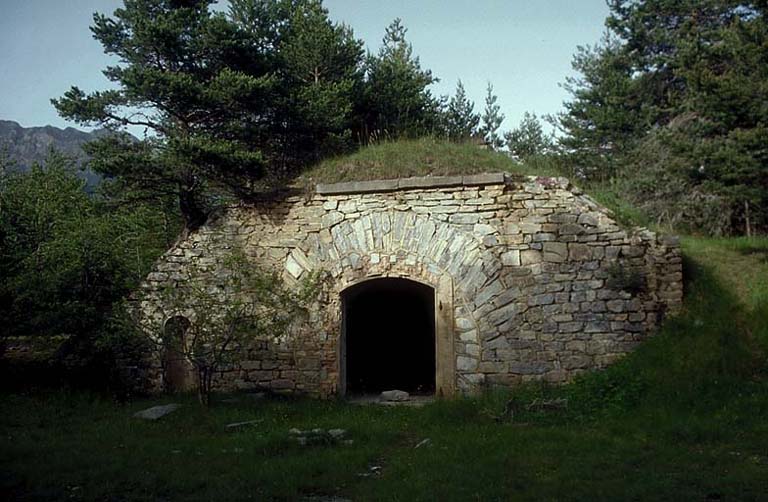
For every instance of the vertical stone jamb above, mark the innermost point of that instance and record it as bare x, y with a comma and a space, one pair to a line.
445, 365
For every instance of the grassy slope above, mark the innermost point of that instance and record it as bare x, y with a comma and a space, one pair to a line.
418, 157
682, 418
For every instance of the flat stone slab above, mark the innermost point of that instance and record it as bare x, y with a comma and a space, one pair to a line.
430, 182
157, 412
415, 182
357, 187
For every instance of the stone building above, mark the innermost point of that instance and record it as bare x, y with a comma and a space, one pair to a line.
434, 284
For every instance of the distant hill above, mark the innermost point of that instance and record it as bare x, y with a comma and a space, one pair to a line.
27, 145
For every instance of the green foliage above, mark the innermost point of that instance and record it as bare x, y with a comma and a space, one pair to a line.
604, 113
672, 102
612, 195
66, 257
228, 100
395, 100
528, 139
318, 65
703, 358
491, 120
610, 392
461, 121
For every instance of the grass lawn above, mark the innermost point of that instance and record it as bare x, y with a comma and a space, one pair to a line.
682, 418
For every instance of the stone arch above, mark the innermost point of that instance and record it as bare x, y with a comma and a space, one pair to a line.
389, 237
417, 247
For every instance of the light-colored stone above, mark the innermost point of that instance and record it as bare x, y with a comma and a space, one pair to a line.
394, 395
466, 363
530, 257
293, 267
482, 229
511, 258
157, 412
240, 425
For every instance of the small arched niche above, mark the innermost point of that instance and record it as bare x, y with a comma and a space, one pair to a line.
389, 337
175, 366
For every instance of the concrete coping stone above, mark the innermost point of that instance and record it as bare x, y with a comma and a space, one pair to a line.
410, 183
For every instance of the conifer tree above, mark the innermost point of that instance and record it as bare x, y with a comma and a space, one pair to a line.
396, 100
491, 120
227, 101
461, 119
318, 65
675, 104
528, 139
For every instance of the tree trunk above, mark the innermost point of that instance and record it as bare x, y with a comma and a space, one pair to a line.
746, 219
204, 379
191, 209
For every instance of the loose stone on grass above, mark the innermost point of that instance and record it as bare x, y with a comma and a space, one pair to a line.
423, 442
157, 412
240, 425
319, 436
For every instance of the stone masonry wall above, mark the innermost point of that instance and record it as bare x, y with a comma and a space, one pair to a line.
543, 283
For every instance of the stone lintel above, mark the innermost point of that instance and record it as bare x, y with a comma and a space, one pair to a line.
357, 187
430, 182
485, 179
409, 183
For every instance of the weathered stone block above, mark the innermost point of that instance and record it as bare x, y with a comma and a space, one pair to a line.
530, 257
576, 362
588, 219
511, 258
579, 252
466, 363
556, 252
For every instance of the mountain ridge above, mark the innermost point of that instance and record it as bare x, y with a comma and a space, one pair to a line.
26, 146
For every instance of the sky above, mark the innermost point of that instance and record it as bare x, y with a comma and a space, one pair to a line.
523, 47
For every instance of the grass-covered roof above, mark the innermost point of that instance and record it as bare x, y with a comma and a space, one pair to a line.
415, 157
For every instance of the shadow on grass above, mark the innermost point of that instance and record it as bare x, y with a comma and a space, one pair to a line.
751, 246
709, 355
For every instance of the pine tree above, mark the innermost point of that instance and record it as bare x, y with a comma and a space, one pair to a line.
461, 119
606, 114
528, 138
319, 66
491, 120
396, 100
227, 100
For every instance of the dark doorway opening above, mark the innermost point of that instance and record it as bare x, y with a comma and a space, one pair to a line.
389, 327
175, 365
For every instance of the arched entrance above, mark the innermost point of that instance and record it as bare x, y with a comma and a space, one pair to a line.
389, 337
175, 367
